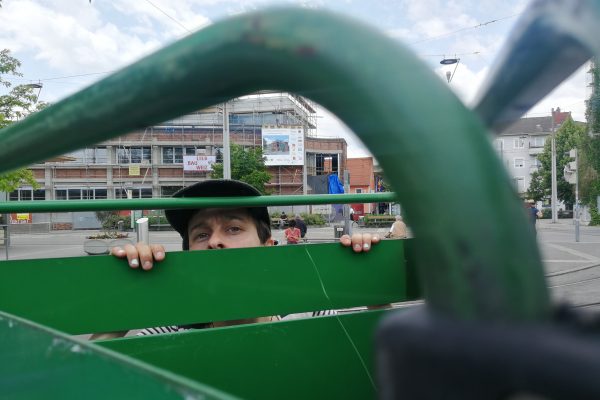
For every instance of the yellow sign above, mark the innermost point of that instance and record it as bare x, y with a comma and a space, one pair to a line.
134, 170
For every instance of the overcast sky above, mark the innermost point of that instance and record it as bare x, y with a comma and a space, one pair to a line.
56, 40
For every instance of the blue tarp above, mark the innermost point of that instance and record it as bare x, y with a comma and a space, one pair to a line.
335, 186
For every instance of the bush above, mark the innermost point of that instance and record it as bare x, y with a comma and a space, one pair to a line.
313, 219
546, 213
111, 222
157, 220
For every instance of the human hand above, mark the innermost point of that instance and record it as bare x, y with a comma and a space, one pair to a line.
140, 254
360, 241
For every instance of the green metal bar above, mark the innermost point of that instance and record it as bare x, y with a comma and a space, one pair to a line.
261, 361
479, 258
40, 363
98, 294
172, 203
551, 41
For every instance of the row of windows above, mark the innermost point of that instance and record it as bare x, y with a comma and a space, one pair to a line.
89, 193
138, 154
519, 143
520, 163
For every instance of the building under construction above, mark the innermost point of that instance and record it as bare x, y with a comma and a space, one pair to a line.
149, 162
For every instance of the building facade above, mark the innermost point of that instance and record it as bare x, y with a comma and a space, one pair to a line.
150, 162
519, 145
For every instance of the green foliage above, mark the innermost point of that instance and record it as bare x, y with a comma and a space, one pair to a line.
592, 111
13, 180
247, 165
313, 219
589, 157
17, 103
569, 136
537, 188
595, 221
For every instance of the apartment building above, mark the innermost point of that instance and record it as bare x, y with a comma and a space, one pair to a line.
519, 145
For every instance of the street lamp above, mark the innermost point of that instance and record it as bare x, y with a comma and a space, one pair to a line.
450, 61
35, 86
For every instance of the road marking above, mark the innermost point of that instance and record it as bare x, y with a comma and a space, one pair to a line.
573, 252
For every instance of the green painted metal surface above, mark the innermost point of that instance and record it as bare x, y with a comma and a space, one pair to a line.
38, 363
154, 204
101, 293
325, 358
482, 263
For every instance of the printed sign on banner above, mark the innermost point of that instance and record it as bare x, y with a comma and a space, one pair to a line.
283, 146
198, 163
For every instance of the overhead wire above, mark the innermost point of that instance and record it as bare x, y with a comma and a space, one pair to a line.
481, 25
168, 16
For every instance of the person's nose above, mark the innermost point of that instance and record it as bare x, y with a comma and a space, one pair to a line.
216, 241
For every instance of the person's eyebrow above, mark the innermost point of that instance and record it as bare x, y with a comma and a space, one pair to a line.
229, 216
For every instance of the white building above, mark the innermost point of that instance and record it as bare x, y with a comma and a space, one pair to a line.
519, 145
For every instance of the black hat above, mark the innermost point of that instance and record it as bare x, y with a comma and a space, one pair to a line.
180, 218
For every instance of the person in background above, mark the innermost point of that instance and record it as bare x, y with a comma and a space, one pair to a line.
534, 214
282, 220
398, 229
300, 225
292, 234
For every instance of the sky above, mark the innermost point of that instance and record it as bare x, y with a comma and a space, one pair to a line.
69, 44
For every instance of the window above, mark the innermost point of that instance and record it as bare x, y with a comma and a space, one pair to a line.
134, 155
174, 155
499, 144
136, 193
519, 143
519, 183
358, 190
168, 191
539, 142
94, 155
519, 163
79, 193
23, 194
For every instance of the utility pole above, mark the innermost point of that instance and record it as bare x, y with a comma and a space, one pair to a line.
576, 215
226, 149
347, 222
554, 189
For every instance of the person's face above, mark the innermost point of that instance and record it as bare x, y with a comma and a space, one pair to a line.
223, 228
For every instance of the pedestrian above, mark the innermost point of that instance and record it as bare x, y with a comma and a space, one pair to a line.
398, 229
282, 220
292, 234
534, 214
301, 225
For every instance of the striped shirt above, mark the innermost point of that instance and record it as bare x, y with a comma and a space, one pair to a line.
176, 328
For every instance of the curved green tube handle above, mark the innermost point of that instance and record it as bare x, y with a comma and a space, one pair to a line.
475, 252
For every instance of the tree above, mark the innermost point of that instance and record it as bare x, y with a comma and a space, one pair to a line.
247, 165
569, 136
537, 189
16, 104
589, 155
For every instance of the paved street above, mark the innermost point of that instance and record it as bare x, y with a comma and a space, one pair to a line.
573, 268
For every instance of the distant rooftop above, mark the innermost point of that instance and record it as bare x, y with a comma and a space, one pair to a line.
535, 125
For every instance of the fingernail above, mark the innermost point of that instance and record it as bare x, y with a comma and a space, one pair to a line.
147, 265
134, 262
357, 247
160, 254
366, 246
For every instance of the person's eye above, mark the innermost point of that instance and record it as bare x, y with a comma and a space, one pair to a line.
234, 229
200, 236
